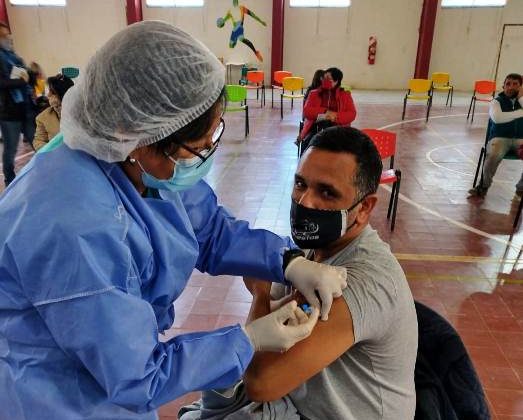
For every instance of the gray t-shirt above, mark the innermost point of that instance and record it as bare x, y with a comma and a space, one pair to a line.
374, 379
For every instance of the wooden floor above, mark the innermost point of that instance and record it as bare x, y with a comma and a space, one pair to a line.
457, 253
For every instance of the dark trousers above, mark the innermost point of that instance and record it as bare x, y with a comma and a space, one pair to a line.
11, 131
316, 128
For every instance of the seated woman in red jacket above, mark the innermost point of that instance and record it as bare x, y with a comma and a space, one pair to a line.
326, 106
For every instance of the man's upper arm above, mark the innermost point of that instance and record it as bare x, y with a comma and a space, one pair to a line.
499, 117
272, 375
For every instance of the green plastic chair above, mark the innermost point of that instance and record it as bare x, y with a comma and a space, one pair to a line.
237, 94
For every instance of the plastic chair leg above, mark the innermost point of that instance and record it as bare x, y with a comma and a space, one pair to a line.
246, 121
480, 166
470, 106
429, 104
448, 96
398, 174
391, 201
473, 111
281, 106
518, 215
404, 106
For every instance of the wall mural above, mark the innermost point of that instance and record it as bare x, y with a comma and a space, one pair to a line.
237, 33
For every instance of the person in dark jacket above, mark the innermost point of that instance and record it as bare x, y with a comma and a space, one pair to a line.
17, 109
447, 385
506, 133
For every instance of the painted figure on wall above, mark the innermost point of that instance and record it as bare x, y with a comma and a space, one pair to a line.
238, 31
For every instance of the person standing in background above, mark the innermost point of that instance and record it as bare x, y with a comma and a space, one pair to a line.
39, 82
17, 108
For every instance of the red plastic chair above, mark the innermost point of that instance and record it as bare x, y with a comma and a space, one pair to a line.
481, 87
278, 81
256, 80
385, 142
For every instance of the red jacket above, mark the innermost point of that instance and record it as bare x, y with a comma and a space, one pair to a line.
316, 103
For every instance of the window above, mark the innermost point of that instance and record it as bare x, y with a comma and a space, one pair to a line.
319, 3
473, 3
174, 3
38, 2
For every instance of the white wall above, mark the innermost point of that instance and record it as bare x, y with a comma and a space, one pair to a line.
466, 41
59, 36
201, 23
321, 38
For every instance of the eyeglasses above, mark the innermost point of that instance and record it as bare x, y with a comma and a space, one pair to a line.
216, 136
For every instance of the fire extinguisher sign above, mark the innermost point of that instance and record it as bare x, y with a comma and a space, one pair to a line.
373, 44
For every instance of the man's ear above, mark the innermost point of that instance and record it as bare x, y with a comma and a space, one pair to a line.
367, 205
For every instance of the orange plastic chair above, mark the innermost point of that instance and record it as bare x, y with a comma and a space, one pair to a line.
385, 142
277, 84
291, 84
441, 82
419, 90
481, 87
256, 80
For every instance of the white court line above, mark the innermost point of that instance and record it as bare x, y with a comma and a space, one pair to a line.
428, 155
435, 213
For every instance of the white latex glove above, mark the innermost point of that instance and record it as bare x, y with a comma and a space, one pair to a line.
310, 277
281, 329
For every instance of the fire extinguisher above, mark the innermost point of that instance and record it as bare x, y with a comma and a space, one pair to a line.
373, 43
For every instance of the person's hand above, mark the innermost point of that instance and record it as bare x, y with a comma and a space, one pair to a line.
281, 329
257, 287
24, 75
331, 116
278, 303
310, 277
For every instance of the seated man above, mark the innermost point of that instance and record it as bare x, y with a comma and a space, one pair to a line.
328, 105
360, 363
506, 133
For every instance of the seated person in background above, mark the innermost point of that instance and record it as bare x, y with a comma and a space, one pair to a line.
39, 82
315, 84
506, 132
326, 106
360, 363
48, 121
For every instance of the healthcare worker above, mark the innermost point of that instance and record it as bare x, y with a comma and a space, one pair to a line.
99, 236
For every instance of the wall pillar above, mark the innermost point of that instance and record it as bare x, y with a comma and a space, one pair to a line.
426, 36
278, 22
133, 10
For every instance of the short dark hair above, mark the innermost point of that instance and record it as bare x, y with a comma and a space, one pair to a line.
336, 73
514, 76
195, 130
355, 142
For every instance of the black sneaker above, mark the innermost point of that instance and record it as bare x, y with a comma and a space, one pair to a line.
478, 191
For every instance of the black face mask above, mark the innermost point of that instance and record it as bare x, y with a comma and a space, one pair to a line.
314, 228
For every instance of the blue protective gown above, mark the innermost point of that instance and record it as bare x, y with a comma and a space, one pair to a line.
88, 273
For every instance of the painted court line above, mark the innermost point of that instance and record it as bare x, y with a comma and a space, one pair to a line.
435, 213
